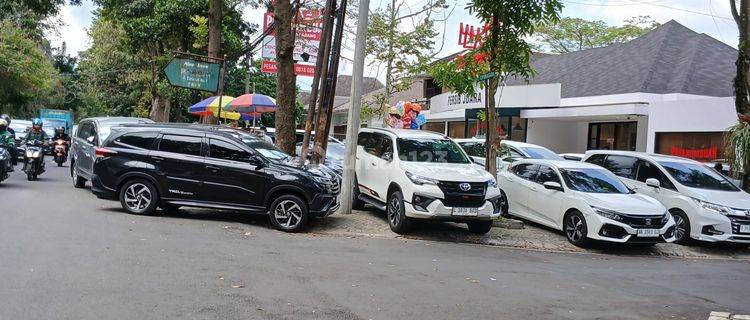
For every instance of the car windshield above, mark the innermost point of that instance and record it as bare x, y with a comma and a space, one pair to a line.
697, 176
593, 181
541, 153
430, 150
474, 148
266, 149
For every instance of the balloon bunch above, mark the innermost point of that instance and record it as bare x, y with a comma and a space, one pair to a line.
405, 115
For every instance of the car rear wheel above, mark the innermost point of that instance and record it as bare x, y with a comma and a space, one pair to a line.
78, 182
139, 197
575, 229
479, 227
357, 204
504, 205
396, 212
289, 213
681, 227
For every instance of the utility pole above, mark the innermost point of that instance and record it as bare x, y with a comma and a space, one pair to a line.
321, 70
353, 122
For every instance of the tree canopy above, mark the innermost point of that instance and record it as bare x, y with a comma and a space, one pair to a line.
574, 34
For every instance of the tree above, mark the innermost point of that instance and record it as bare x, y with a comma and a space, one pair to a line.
575, 34
403, 40
286, 80
738, 139
503, 50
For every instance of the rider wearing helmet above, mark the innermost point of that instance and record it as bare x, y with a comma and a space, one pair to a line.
7, 119
36, 132
60, 134
7, 141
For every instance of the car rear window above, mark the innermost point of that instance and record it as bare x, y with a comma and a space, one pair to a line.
138, 140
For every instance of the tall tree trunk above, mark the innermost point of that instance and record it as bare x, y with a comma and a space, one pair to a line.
285, 78
492, 140
215, 17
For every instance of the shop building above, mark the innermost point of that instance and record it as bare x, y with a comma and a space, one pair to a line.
668, 91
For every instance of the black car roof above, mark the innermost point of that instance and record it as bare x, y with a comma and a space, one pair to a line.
184, 127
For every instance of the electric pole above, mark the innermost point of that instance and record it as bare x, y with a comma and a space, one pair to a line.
353, 122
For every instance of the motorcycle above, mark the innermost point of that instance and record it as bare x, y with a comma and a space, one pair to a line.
5, 163
61, 151
33, 161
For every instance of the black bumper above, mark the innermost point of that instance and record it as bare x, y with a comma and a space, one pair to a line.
100, 191
323, 205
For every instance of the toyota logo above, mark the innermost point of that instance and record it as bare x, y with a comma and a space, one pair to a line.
465, 186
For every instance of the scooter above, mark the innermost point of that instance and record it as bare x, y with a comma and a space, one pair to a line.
5, 163
33, 161
61, 151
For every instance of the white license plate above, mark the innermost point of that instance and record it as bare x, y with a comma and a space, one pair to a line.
745, 228
648, 233
469, 212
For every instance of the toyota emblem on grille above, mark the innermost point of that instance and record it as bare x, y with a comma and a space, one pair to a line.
648, 221
465, 186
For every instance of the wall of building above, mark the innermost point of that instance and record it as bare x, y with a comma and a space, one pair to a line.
558, 136
697, 115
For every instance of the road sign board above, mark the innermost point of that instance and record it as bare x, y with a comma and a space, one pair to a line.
304, 50
192, 74
306, 70
487, 76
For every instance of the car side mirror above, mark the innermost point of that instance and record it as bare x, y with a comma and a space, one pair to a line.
256, 161
651, 182
387, 156
553, 186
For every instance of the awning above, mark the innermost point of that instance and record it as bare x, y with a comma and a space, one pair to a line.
619, 111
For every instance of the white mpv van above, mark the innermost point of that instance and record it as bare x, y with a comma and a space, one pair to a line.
705, 205
414, 174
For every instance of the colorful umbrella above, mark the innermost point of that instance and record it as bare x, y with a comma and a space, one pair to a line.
210, 104
252, 102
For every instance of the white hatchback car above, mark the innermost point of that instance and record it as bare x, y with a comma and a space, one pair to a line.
414, 174
705, 205
585, 201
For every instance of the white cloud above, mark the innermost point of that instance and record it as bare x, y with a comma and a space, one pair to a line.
75, 20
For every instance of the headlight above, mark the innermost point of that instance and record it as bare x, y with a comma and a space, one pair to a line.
716, 208
609, 214
420, 180
492, 183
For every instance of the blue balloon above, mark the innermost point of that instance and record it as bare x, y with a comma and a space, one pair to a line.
421, 120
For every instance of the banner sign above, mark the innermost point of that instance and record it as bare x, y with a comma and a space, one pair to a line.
193, 74
269, 66
304, 50
469, 37
696, 154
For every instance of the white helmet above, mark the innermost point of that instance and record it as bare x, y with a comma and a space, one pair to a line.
3, 123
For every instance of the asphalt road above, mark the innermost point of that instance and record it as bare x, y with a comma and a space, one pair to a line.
66, 255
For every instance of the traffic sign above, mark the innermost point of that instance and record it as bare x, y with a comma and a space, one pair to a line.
193, 74
487, 76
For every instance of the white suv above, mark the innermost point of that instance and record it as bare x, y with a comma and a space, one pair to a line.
415, 174
705, 205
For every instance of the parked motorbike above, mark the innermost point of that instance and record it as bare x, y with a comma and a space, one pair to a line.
5, 163
33, 161
61, 151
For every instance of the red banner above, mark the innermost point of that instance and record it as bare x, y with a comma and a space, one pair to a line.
470, 37
306, 70
696, 154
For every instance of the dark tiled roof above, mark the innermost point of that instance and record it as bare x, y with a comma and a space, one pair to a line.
669, 59
343, 90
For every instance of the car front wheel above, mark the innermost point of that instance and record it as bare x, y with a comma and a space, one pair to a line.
139, 197
289, 213
397, 219
681, 227
575, 229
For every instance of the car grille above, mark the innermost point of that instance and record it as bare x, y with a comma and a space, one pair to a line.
647, 222
737, 221
333, 186
456, 197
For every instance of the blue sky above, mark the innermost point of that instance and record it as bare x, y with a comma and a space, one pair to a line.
711, 17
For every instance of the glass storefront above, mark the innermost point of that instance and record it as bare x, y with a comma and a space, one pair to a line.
700, 146
613, 136
438, 127
457, 129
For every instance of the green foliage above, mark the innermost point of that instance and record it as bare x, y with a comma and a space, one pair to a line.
200, 32
25, 70
574, 34
737, 146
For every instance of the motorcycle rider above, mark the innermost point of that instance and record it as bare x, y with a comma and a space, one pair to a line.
7, 141
38, 134
60, 134
7, 119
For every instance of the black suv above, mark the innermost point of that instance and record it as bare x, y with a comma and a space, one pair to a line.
145, 166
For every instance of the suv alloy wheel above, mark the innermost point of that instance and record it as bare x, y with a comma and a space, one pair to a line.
575, 229
289, 213
139, 197
397, 219
78, 182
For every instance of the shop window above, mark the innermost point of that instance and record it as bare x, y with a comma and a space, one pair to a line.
438, 127
613, 136
457, 129
431, 88
518, 129
700, 146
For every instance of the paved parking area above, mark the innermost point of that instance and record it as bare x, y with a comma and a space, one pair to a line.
370, 222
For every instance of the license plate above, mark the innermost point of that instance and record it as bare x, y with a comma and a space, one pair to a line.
648, 233
745, 228
465, 211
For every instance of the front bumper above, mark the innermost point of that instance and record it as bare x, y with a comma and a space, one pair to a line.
439, 210
605, 229
714, 227
323, 205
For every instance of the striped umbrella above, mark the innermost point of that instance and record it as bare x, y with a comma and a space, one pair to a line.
210, 107
252, 102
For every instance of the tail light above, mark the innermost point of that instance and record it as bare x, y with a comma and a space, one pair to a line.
104, 152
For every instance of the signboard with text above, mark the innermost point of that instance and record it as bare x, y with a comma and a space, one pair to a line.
304, 50
193, 74
269, 66
308, 31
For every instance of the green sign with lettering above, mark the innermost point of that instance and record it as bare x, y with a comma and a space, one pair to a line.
487, 76
192, 74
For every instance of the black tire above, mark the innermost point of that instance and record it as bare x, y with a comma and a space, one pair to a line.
681, 227
504, 205
357, 204
78, 182
289, 213
396, 213
59, 164
479, 227
576, 230
30, 176
139, 196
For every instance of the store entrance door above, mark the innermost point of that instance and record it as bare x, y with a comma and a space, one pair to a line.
613, 136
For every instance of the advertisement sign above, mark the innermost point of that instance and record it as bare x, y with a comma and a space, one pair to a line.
193, 74
304, 50
470, 37
269, 66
